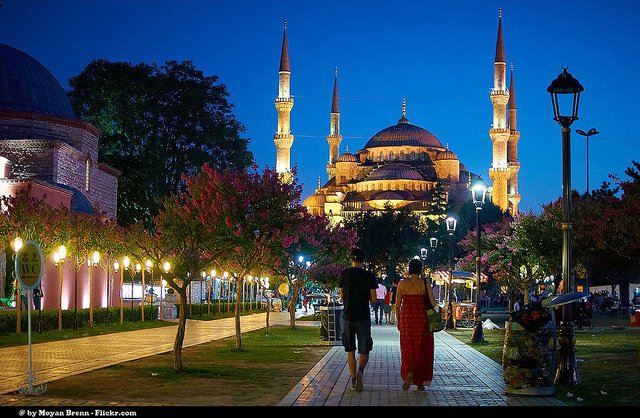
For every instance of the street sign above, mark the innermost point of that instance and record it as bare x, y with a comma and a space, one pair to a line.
283, 288
29, 265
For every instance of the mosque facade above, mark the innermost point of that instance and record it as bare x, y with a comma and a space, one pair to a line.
404, 165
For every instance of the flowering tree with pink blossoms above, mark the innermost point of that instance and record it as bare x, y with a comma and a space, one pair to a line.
508, 253
324, 249
249, 216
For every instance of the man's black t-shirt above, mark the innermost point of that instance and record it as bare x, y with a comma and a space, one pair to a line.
356, 285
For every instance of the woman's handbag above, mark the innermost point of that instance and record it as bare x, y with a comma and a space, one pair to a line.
434, 318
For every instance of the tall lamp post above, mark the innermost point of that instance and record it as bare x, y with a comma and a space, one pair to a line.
479, 192
117, 269
95, 259
433, 243
592, 131
565, 89
58, 260
452, 222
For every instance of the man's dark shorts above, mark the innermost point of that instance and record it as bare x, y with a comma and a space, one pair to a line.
357, 330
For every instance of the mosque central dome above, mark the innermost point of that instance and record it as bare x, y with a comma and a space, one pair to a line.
27, 86
404, 134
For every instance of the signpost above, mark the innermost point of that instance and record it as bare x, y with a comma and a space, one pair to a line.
29, 268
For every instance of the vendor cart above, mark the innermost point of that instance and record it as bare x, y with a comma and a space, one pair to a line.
463, 314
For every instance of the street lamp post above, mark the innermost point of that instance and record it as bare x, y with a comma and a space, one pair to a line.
479, 192
116, 268
451, 221
423, 257
433, 243
141, 271
58, 259
149, 265
566, 87
165, 266
592, 131
126, 264
95, 259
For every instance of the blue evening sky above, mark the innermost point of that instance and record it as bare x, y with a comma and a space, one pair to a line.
437, 54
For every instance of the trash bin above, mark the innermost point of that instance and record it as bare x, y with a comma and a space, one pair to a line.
527, 360
331, 324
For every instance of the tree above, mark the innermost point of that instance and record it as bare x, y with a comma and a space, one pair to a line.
249, 217
390, 238
607, 231
316, 251
157, 123
179, 239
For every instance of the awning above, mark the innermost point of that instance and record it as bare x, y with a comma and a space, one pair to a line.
458, 276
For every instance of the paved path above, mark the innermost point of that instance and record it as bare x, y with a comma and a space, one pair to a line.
59, 359
462, 376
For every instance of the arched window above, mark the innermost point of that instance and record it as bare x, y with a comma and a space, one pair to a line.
87, 174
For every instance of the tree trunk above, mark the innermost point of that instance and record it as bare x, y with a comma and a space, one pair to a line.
182, 323
268, 310
292, 307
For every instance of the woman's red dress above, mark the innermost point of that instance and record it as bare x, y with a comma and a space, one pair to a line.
416, 341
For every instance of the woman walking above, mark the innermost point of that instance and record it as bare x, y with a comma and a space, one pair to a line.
416, 340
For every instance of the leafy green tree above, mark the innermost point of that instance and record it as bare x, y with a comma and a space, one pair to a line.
607, 231
390, 238
157, 123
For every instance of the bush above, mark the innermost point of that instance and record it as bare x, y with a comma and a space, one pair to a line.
47, 319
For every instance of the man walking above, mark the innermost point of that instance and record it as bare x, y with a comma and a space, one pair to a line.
357, 290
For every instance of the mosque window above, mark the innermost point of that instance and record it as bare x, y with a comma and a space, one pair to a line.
87, 174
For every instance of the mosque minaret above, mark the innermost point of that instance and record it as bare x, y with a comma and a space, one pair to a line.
284, 103
504, 135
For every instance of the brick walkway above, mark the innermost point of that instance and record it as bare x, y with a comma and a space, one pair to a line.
462, 376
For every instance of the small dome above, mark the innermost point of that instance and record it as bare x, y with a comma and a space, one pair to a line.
394, 172
316, 200
446, 155
26, 85
348, 158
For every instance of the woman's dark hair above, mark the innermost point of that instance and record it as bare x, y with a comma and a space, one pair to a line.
415, 266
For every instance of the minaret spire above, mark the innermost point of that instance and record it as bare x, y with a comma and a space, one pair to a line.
499, 133
284, 103
334, 138
512, 149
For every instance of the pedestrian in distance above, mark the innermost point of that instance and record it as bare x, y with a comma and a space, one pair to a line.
413, 297
357, 290
381, 292
387, 308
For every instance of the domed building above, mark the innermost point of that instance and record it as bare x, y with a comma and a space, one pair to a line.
43, 147
405, 165
49, 154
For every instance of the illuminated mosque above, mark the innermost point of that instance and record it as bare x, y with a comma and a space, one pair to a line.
403, 164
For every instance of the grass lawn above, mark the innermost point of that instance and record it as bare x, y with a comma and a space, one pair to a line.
607, 357
215, 373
